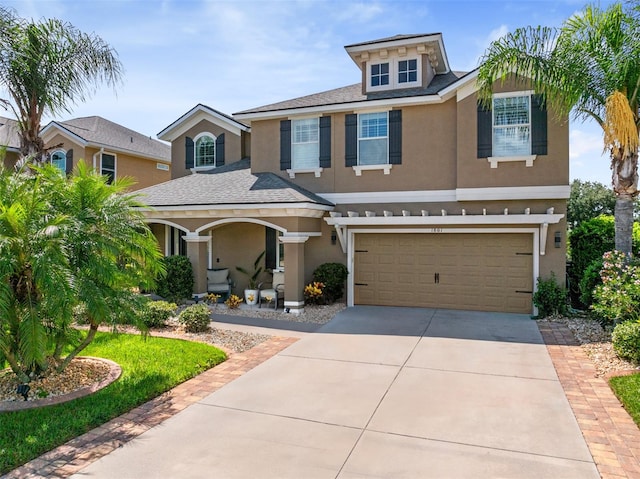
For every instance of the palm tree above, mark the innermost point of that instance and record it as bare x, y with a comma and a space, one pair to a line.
67, 242
590, 67
46, 67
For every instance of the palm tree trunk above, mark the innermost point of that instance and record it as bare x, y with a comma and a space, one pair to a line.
15, 367
625, 185
93, 328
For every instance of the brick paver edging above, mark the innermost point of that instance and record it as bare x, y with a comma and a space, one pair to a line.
612, 436
83, 450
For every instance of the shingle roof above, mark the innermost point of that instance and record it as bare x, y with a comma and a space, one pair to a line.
393, 38
9, 136
227, 185
353, 94
98, 130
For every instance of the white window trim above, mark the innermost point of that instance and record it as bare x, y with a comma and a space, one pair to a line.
297, 171
528, 159
115, 163
382, 166
195, 151
59, 150
360, 168
393, 74
316, 170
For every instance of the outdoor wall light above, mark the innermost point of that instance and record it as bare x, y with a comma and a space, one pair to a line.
557, 239
334, 237
23, 390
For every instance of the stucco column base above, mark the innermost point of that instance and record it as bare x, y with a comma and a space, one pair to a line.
294, 273
197, 254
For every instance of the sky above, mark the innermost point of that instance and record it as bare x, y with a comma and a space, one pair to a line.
235, 55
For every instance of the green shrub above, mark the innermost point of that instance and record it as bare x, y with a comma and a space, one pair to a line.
590, 240
177, 284
550, 298
626, 340
156, 313
590, 279
333, 276
617, 299
195, 318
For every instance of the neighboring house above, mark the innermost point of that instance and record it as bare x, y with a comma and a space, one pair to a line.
112, 149
10, 141
429, 199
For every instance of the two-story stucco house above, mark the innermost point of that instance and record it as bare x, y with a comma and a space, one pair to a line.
110, 148
428, 198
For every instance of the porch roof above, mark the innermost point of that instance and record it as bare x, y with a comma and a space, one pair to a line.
232, 184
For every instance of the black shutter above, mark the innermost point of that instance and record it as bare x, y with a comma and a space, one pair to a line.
188, 153
538, 125
351, 140
271, 243
220, 150
485, 132
325, 142
285, 144
395, 137
69, 166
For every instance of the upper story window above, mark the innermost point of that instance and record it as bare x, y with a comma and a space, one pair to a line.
305, 143
108, 166
408, 71
512, 128
205, 151
512, 125
379, 74
403, 72
373, 145
59, 160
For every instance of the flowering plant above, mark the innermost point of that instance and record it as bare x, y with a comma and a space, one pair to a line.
617, 299
233, 301
313, 292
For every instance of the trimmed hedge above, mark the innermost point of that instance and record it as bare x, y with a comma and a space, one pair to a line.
626, 340
177, 284
333, 276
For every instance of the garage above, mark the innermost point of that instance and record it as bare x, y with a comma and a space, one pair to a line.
471, 271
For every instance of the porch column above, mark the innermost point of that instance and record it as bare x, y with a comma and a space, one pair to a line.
197, 254
294, 273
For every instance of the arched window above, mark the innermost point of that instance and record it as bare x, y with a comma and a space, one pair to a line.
205, 150
59, 160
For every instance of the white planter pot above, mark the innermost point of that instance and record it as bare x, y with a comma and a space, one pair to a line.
251, 296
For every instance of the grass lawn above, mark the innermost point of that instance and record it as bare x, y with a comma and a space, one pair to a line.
149, 368
627, 388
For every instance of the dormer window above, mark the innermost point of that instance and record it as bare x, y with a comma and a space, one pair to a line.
379, 74
408, 71
205, 151
399, 72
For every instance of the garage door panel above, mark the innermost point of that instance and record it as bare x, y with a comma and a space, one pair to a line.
476, 271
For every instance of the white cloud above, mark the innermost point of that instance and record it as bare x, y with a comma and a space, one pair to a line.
360, 12
587, 161
584, 143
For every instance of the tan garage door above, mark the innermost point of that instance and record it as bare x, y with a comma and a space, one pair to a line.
483, 272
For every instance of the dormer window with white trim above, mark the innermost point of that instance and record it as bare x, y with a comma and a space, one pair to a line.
379, 74
205, 151
408, 71
398, 72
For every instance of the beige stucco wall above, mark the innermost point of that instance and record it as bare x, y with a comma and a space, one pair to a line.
143, 170
234, 146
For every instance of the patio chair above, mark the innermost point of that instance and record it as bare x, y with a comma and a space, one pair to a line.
219, 282
275, 291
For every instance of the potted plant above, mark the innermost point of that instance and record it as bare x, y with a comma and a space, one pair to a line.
251, 293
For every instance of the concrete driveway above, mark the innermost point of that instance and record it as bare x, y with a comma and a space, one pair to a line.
378, 393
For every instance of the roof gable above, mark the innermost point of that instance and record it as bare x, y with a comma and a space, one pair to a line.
100, 132
197, 114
